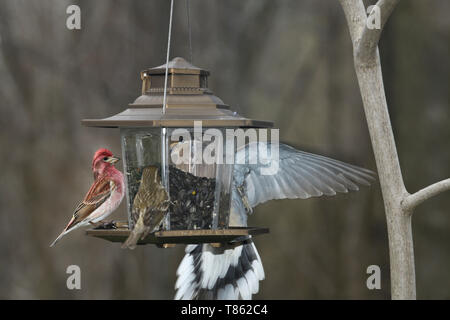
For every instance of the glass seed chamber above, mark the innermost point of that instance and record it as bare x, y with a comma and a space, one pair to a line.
199, 192
185, 143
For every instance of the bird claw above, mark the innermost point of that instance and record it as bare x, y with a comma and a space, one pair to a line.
105, 225
244, 198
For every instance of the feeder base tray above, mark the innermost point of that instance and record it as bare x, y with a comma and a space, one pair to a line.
172, 237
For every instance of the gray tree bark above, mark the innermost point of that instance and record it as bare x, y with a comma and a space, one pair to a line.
398, 203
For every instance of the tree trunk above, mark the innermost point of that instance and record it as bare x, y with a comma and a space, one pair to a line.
398, 203
401, 250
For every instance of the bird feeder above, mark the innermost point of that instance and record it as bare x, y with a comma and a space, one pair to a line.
176, 138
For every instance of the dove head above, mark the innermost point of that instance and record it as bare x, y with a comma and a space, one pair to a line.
103, 160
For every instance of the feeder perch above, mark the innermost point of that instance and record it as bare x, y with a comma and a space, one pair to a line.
200, 192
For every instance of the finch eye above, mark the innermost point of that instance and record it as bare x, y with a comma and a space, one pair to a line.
105, 158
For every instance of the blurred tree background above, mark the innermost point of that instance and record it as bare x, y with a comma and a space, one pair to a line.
289, 61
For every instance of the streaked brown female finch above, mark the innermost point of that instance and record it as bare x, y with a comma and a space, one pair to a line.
150, 206
104, 196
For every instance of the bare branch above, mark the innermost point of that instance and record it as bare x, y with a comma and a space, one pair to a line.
355, 14
413, 200
368, 44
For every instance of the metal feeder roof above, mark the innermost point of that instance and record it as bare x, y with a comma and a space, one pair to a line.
188, 100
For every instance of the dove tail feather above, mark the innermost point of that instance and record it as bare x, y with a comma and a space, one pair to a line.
230, 272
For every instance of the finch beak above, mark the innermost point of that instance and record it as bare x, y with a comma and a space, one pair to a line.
113, 160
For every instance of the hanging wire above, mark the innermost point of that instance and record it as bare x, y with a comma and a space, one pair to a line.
167, 57
164, 137
190, 31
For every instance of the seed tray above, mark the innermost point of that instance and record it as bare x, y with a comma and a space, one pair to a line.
161, 238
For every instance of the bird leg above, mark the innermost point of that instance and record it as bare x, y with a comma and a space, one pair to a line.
244, 198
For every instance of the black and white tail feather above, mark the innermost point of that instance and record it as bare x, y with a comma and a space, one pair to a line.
224, 273
234, 272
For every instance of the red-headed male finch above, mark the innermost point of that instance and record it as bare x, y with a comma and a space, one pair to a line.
104, 196
150, 206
